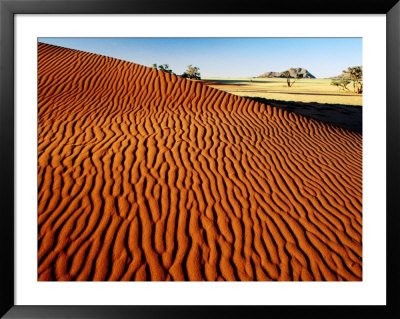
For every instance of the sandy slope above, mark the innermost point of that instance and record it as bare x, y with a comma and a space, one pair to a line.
143, 175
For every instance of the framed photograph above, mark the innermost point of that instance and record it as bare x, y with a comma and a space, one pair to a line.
166, 159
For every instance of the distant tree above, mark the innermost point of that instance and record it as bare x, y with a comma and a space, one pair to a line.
163, 67
352, 75
192, 72
355, 75
341, 83
287, 74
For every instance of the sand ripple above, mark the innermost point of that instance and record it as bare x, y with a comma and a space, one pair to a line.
143, 175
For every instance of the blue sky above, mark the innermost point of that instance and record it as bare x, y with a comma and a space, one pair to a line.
228, 57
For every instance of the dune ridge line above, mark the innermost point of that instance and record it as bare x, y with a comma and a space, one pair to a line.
143, 175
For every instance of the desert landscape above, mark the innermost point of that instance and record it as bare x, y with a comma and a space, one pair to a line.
144, 175
304, 90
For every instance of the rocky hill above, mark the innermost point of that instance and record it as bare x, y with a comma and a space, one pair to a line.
340, 76
294, 72
344, 74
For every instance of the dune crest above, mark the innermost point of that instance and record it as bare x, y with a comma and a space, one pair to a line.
143, 175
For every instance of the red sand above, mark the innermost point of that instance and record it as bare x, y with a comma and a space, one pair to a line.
143, 175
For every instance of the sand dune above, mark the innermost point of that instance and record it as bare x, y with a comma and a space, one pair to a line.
143, 175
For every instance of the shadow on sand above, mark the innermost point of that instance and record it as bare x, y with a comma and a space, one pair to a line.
345, 116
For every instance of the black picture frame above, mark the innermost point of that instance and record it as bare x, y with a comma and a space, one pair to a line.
8, 10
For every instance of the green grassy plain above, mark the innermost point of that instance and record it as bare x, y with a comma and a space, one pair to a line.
304, 90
